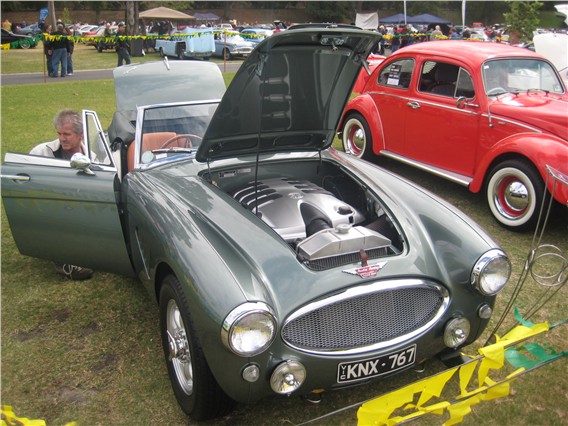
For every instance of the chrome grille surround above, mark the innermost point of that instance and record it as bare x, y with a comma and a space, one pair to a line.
366, 318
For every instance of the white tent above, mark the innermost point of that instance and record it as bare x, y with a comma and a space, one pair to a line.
164, 13
367, 21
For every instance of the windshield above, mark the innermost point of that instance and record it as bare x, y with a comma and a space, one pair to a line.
519, 75
173, 128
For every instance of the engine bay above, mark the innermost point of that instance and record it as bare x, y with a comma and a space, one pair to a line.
327, 217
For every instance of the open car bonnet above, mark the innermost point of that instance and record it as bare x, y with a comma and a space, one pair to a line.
164, 82
289, 94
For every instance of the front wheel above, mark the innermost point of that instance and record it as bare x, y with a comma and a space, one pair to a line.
161, 52
25, 44
356, 137
515, 192
194, 386
180, 52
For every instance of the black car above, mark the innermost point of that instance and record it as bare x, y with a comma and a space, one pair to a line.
23, 41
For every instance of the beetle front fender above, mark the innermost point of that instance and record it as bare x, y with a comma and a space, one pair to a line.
540, 149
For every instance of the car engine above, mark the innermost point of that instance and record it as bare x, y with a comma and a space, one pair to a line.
310, 218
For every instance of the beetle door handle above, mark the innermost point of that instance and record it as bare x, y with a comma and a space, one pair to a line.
413, 104
21, 178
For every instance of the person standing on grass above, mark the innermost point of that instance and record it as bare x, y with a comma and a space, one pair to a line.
122, 46
46, 30
59, 50
71, 41
69, 127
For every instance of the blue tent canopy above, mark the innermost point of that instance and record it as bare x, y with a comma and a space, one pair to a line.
394, 19
426, 19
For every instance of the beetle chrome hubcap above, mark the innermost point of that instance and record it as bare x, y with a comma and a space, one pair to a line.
178, 344
512, 197
355, 139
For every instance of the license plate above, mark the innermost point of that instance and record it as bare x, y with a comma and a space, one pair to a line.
373, 367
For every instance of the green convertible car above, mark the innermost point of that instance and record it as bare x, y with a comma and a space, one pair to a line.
280, 265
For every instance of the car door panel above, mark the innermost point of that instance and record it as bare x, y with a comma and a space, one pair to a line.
60, 213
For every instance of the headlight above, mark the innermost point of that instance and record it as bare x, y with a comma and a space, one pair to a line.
491, 272
249, 329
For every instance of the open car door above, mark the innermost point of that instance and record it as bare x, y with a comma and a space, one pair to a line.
67, 211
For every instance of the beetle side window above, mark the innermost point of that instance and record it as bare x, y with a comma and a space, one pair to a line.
464, 85
441, 78
397, 74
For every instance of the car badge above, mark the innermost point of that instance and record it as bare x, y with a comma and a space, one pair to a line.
366, 271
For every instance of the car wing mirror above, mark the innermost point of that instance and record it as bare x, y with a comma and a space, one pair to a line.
462, 102
82, 162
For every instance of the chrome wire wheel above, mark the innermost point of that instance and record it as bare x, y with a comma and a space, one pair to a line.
180, 355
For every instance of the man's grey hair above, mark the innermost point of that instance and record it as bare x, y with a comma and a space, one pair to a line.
68, 116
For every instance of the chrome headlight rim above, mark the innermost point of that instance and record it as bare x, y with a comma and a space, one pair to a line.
230, 327
481, 267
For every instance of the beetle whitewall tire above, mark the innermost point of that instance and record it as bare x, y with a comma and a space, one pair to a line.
356, 137
514, 193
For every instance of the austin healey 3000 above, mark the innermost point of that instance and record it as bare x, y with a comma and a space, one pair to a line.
280, 265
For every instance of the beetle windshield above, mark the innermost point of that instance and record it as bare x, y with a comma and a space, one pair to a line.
520, 75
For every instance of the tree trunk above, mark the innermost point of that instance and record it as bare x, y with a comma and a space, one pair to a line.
131, 18
51, 19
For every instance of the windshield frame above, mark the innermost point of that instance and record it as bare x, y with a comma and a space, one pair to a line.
171, 118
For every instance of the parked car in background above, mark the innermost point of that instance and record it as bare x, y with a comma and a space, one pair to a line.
230, 45
554, 47
256, 35
98, 40
20, 41
189, 43
88, 30
488, 116
32, 29
281, 266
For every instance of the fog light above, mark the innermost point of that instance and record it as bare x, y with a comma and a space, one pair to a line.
287, 377
456, 332
484, 312
251, 373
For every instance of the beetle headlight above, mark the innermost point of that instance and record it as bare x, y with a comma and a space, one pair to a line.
249, 329
491, 272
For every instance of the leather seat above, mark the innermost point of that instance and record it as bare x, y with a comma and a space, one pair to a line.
150, 142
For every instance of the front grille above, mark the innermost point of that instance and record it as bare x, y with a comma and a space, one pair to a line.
373, 319
324, 263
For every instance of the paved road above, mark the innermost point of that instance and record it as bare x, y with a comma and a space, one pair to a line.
38, 78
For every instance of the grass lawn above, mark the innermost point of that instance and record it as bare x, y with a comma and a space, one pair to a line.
90, 351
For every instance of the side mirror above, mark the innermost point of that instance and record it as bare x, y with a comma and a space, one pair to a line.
460, 103
82, 162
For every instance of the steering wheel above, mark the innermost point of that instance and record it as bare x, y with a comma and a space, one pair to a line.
496, 91
186, 144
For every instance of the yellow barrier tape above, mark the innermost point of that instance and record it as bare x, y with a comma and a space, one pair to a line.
9, 418
379, 410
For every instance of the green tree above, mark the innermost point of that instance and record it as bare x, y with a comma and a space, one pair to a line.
522, 19
332, 11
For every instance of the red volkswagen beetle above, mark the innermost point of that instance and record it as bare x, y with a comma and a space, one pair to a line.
488, 116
